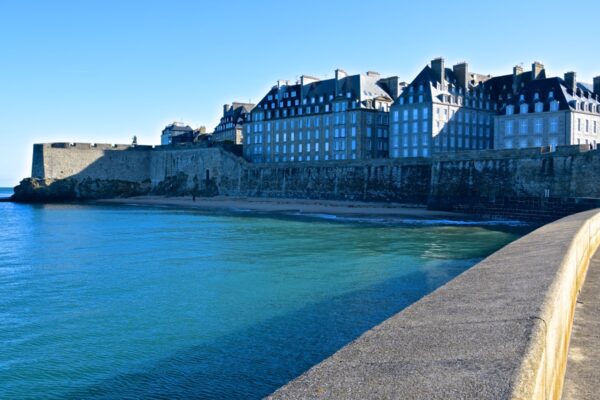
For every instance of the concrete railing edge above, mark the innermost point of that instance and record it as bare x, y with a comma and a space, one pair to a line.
543, 368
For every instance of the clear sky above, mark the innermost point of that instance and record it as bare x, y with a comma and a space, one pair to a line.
103, 71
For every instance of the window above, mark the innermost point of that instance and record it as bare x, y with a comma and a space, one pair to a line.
554, 106
425, 113
509, 127
405, 115
524, 109
396, 115
523, 126
510, 110
538, 127
415, 114
539, 107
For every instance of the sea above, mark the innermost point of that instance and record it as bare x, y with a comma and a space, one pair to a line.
132, 302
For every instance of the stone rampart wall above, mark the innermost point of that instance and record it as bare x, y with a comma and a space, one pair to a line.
87, 161
534, 184
530, 183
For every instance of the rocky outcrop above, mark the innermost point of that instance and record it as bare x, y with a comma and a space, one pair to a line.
34, 190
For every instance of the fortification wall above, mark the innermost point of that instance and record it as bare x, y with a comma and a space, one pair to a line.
529, 183
533, 184
91, 161
216, 171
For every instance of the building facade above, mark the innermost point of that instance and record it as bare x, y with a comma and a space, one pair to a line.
335, 119
442, 110
231, 125
548, 112
177, 132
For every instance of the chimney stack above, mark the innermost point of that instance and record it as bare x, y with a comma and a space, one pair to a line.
226, 108
517, 71
537, 71
437, 65
571, 80
597, 85
339, 74
461, 71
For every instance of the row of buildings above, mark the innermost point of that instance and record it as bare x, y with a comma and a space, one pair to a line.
443, 109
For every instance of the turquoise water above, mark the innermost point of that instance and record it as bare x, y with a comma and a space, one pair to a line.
136, 302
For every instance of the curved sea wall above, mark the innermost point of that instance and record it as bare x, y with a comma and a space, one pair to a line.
498, 331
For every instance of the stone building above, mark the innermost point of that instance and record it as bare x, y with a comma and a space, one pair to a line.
177, 132
442, 110
230, 128
313, 120
538, 111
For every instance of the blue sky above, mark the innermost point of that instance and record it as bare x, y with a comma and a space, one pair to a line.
103, 71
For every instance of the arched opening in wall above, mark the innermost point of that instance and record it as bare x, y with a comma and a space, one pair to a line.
207, 174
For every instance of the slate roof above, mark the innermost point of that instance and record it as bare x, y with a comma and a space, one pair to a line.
362, 88
554, 86
177, 129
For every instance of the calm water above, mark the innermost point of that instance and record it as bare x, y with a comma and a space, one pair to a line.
135, 302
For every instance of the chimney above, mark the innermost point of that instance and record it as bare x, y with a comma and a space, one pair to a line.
437, 65
226, 108
461, 72
537, 71
373, 74
339, 74
391, 85
597, 85
517, 71
571, 80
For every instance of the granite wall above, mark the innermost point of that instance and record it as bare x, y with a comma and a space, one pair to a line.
534, 183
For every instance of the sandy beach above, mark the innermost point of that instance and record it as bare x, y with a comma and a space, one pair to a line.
303, 206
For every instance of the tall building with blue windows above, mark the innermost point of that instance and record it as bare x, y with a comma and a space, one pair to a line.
538, 111
344, 118
447, 110
442, 110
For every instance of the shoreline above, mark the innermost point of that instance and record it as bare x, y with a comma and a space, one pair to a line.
280, 205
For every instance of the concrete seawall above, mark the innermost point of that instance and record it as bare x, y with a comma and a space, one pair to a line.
498, 331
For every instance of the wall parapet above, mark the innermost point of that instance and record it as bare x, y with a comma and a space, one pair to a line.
500, 330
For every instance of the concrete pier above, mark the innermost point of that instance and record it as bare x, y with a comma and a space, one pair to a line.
500, 330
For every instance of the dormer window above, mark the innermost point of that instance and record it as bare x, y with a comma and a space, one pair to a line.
401, 101
524, 108
536, 96
554, 106
510, 110
420, 87
521, 97
410, 89
551, 94
293, 93
312, 100
348, 94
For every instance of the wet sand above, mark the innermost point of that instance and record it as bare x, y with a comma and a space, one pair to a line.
303, 206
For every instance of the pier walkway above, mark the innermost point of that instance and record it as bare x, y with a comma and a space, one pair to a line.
582, 380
